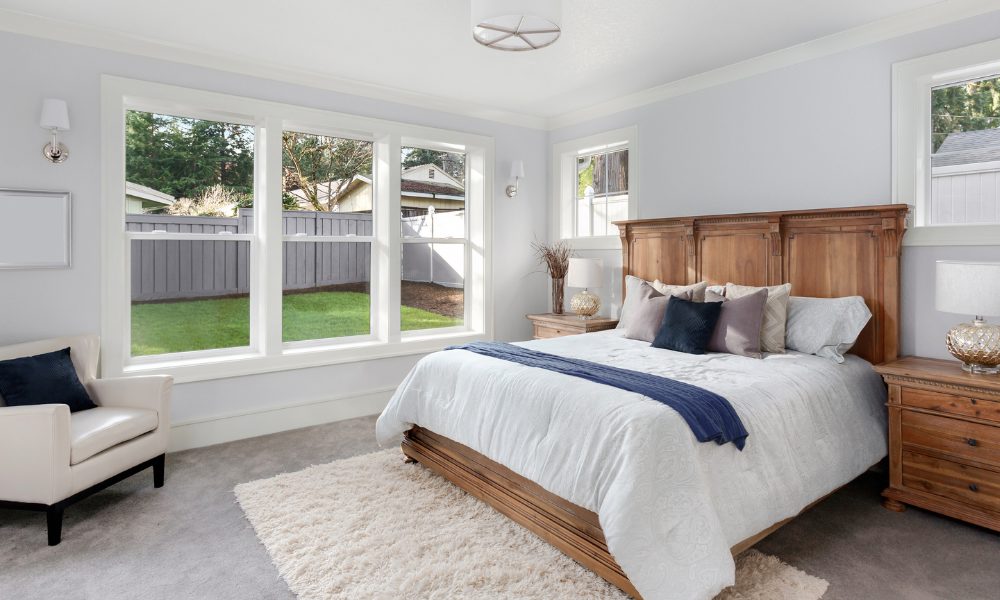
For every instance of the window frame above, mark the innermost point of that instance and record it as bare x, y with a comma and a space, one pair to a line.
267, 351
912, 83
564, 184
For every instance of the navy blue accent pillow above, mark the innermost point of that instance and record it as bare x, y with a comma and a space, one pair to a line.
687, 326
43, 379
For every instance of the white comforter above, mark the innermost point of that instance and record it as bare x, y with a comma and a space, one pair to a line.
670, 507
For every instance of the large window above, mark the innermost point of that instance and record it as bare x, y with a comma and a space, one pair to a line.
946, 146
245, 236
595, 181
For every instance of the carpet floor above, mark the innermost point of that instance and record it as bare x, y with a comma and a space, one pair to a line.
371, 526
191, 540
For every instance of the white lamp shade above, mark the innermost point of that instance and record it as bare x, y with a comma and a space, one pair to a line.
517, 169
516, 24
968, 288
584, 273
55, 115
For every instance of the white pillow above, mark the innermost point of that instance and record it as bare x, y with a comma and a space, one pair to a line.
826, 327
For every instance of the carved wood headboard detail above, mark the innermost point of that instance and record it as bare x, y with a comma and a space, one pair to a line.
826, 253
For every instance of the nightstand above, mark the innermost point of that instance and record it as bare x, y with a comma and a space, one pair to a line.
550, 325
944, 440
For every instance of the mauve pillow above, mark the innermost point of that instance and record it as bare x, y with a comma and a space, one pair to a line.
687, 325
738, 328
647, 312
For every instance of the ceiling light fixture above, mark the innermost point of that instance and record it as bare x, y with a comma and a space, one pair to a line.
516, 25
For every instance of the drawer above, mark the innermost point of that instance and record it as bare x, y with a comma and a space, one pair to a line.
546, 331
963, 439
950, 479
947, 403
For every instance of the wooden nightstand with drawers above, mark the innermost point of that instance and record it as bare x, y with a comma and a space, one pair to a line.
944, 440
550, 325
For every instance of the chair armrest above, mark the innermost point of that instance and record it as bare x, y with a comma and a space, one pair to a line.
34, 453
149, 391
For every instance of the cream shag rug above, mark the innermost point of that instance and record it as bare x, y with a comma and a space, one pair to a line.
373, 527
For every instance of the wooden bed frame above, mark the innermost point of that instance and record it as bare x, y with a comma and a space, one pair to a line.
823, 253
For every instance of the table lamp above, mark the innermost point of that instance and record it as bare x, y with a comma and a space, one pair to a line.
971, 288
584, 273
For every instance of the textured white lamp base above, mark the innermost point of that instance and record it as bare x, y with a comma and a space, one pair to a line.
585, 304
977, 345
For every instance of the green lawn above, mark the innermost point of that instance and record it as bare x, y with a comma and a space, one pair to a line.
159, 328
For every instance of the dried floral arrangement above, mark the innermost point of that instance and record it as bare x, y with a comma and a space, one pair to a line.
554, 256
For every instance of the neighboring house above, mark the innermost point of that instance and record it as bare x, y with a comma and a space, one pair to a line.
421, 187
965, 179
142, 199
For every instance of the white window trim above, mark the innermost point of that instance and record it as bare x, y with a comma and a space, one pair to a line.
563, 185
912, 82
267, 352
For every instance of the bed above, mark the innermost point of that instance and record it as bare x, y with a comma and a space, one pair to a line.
618, 482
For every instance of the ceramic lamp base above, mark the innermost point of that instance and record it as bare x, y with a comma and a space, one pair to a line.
585, 304
977, 345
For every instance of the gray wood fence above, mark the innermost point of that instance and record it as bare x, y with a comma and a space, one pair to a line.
175, 269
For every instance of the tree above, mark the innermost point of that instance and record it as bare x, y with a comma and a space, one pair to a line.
970, 106
185, 157
451, 163
321, 167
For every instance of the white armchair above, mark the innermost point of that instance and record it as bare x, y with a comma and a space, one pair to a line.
51, 458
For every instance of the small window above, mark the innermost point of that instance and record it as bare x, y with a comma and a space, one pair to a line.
946, 145
430, 174
965, 153
596, 186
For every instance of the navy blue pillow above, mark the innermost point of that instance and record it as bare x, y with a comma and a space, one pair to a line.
687, 326
43, 379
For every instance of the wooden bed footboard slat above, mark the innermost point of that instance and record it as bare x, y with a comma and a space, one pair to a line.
572, 529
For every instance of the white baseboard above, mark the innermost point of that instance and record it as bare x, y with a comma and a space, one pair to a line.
236, 426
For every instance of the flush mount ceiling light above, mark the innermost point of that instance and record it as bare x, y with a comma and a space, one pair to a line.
516, 25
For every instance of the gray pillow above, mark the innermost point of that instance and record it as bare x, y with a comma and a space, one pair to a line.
826, 327
697, 290
738, 329
648, 308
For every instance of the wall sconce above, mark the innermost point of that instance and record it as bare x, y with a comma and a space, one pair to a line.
516, 172
55, 118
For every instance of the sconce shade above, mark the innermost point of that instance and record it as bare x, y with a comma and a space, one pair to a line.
517, 169
516, 24
968, 288
55, 115
584, 273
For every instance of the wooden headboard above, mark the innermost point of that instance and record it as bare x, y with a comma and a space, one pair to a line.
826, 253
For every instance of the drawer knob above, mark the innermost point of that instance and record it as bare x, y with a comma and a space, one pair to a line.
972, 442
973, 487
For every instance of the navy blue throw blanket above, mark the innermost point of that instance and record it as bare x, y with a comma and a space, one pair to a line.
709, 415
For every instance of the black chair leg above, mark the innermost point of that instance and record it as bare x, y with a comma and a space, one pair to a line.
54, 520
159, 463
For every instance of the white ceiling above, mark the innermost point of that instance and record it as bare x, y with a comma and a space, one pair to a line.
608, 49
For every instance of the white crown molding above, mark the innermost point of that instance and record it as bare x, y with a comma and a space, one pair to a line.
912, 21
63, 31
905, 23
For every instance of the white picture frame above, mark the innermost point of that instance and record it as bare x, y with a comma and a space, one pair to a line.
35, 229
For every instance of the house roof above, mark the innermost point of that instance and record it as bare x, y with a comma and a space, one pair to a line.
425, 187
147, 193
965, 147
438, 170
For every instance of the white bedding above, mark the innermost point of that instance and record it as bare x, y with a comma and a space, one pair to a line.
670, 507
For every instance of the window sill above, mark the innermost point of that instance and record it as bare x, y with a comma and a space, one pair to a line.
604, 242
953, 235
250, 363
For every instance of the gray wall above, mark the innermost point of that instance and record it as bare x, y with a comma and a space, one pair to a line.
813, 135
36, 304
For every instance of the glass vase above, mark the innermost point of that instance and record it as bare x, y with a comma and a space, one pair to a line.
558, 287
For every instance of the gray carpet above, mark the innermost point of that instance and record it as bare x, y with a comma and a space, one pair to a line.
190, 539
